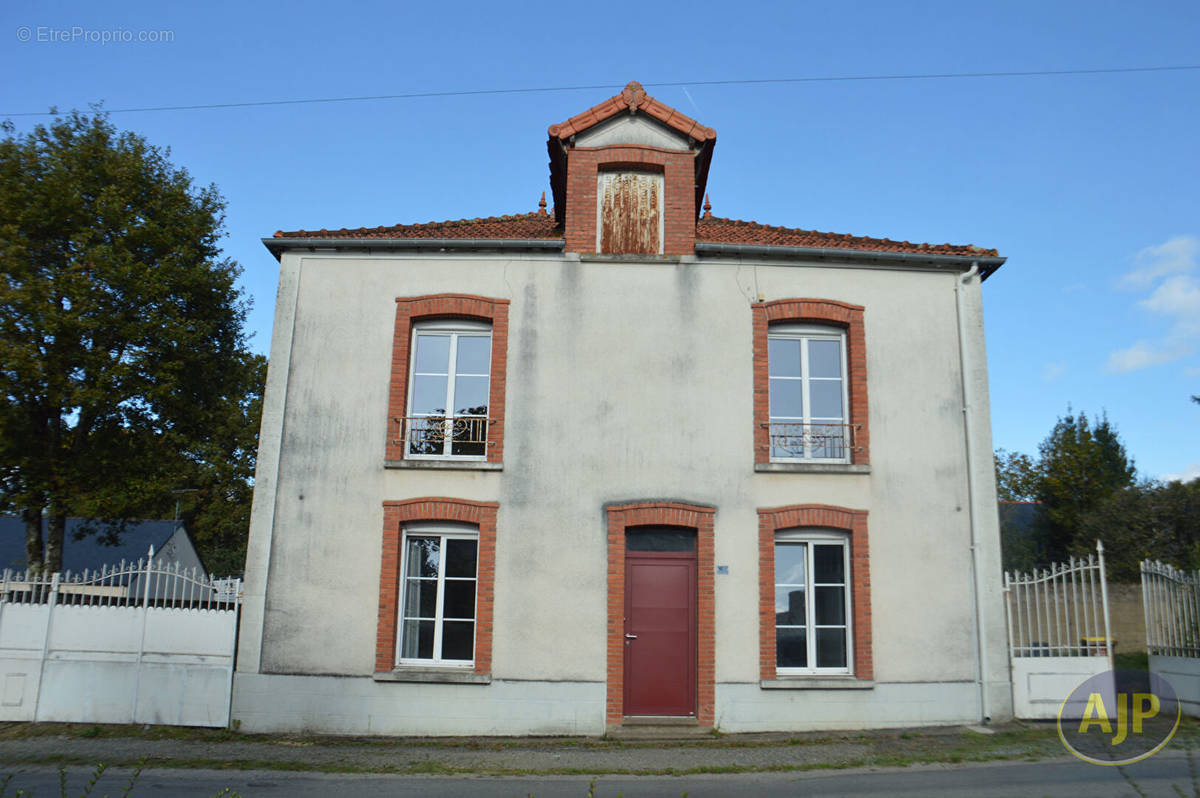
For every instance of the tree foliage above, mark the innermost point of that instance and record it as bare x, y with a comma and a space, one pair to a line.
1150, 520
123, 364
1080, 464
1016, 476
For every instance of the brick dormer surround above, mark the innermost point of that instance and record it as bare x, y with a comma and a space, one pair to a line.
574, 170
679, 193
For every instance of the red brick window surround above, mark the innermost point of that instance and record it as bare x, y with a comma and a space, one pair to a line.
824, 312
816, 516
692, 516
679, 193
396, 514
413, 310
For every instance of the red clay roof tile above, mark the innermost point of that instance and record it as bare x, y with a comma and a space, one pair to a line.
519, 226
710, 229
717, 230
633, 96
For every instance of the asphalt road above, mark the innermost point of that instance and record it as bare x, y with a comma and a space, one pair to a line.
1167, 774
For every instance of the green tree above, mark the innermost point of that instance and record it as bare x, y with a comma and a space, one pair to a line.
1017, 476
218, 475
121, 342
1150, 520
1080, 466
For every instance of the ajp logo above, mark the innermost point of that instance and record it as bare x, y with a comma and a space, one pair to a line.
1118, 717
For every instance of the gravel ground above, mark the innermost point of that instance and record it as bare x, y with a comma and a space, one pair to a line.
160, 746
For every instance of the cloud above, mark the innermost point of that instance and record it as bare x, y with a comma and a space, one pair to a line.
1178, 295
1141, 355
1175, 255
1186, 475
1167, 272
1051, 372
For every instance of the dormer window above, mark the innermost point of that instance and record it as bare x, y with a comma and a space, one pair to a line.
629, 213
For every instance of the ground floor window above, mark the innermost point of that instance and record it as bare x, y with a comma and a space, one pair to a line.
812, 602
437, 608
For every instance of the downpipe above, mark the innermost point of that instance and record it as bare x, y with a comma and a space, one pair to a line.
981, 663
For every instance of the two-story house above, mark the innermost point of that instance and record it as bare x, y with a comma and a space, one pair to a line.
622, 461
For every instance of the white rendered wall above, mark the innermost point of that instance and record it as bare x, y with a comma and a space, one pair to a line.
626, 382
333, 705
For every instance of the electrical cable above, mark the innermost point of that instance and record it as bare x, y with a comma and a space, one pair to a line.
546, 89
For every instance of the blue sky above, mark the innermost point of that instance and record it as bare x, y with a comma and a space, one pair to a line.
1087, 183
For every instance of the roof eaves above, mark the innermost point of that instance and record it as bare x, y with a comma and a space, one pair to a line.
987, 263
276, 246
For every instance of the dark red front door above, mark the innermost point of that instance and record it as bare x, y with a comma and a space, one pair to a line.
660, 633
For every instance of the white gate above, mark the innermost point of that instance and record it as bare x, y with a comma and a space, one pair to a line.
1058, 632
1171, 602
143, 643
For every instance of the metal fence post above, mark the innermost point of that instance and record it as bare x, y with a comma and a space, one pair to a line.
137, 672
1108, 643
37, 699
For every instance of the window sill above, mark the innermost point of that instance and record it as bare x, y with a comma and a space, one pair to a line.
439, 675
812, 468
445, 465
817, 683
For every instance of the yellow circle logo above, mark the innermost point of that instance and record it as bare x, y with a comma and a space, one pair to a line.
1118, 717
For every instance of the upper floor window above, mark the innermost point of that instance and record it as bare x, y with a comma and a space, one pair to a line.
807, 390
449, 390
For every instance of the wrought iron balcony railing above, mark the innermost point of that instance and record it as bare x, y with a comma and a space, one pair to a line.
815, 441
441, 436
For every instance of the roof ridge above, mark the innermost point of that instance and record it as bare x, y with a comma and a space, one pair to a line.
633, 98
847, 237
509, 217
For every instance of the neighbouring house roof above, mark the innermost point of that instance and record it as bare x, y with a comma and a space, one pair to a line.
91, 551
1019, 515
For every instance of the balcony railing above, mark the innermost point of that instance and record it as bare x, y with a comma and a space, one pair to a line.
442, 436
815, 441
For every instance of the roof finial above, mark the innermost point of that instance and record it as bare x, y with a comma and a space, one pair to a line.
542, 205
707, 208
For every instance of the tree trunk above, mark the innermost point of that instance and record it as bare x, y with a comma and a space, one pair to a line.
54, 541
33, 538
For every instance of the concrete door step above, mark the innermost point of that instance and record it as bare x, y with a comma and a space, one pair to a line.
658, 729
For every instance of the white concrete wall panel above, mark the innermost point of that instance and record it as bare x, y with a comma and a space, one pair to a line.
116, 664
1183, 674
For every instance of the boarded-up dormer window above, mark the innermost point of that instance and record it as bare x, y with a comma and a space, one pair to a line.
630, 210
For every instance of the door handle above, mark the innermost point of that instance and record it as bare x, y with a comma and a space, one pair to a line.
630, 637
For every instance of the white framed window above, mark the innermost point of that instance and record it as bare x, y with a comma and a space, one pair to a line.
806, 367
449, 390
437, 601
812, 602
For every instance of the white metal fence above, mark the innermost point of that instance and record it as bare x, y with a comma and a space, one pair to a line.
1058, 632
1171, 602
142, 642
1060, 611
